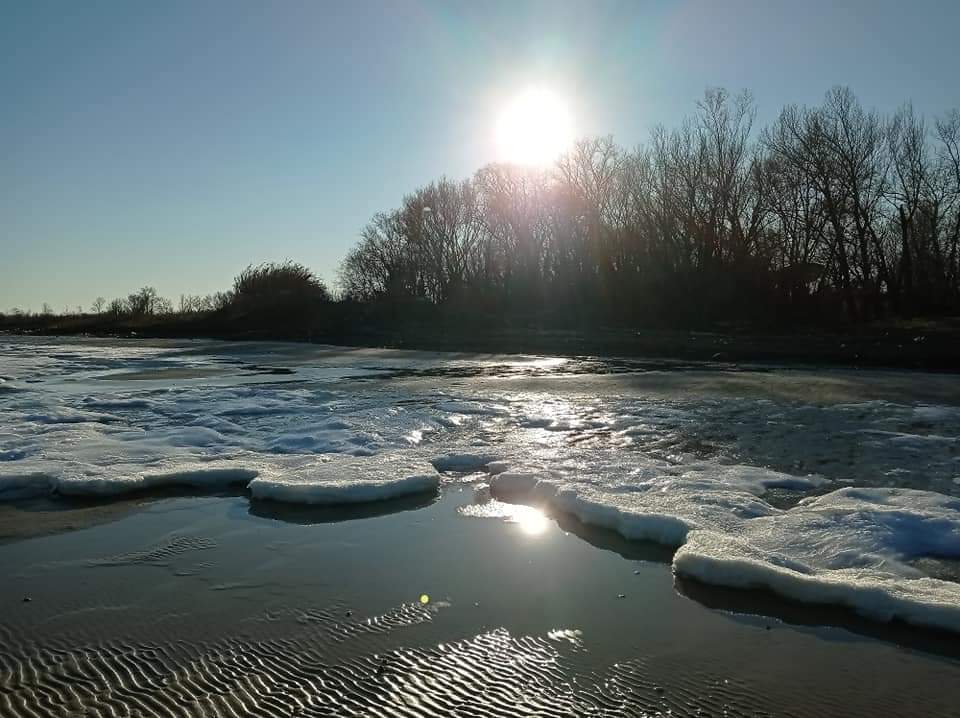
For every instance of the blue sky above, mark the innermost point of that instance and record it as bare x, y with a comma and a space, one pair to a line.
173, 143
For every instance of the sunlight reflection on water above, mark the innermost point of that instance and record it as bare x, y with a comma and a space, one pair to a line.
530, 520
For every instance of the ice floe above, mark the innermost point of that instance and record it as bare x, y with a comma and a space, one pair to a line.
339, 479
462, 462
332, 479
851, 547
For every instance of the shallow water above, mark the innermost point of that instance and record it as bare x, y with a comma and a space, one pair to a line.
835, 491
206, 605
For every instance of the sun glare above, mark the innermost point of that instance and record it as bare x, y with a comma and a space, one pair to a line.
534, 129
531, 521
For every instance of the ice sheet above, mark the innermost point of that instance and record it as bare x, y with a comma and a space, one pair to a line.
847, 500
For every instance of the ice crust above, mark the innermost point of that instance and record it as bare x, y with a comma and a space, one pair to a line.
335, 479
345, 480
840, 502
463, 462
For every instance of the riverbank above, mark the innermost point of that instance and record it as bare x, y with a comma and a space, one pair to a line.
927, 345
201, 605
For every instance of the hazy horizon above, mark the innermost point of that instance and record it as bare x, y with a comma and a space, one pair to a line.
173, 145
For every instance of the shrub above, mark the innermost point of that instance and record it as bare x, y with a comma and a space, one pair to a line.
277, 286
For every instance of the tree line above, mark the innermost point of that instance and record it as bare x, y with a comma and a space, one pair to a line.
829, 211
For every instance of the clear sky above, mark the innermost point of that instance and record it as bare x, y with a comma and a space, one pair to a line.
172, 143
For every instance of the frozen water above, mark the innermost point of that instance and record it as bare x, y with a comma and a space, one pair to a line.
345, 480
462, 462
826, 487
851, 547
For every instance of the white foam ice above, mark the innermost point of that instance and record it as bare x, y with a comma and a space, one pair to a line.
206, 477
335, 437
851, 547
331, 479
119, 479
653, 501
339, 479
462, 462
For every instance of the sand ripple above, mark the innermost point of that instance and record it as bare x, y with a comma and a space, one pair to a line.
309, 673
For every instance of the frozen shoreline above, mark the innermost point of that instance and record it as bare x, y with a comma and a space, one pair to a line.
830, 488
928, 346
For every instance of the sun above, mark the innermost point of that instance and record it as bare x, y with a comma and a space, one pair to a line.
534, 129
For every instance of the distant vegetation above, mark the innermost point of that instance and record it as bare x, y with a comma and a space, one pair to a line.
831, 216
278, 295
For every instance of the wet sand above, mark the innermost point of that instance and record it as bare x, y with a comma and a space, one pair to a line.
206, 605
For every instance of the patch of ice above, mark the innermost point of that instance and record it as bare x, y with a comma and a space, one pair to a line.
324, 441
917, 440
462, 462
66, 415
196, 477
192, 436
332, 479
850, 548
472, 407
339, 479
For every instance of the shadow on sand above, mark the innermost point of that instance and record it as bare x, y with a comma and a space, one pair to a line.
43, 516
757, 602
305, 514
762, 603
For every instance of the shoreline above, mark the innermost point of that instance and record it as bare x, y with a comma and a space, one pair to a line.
60, 515
525, 618
923, 348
